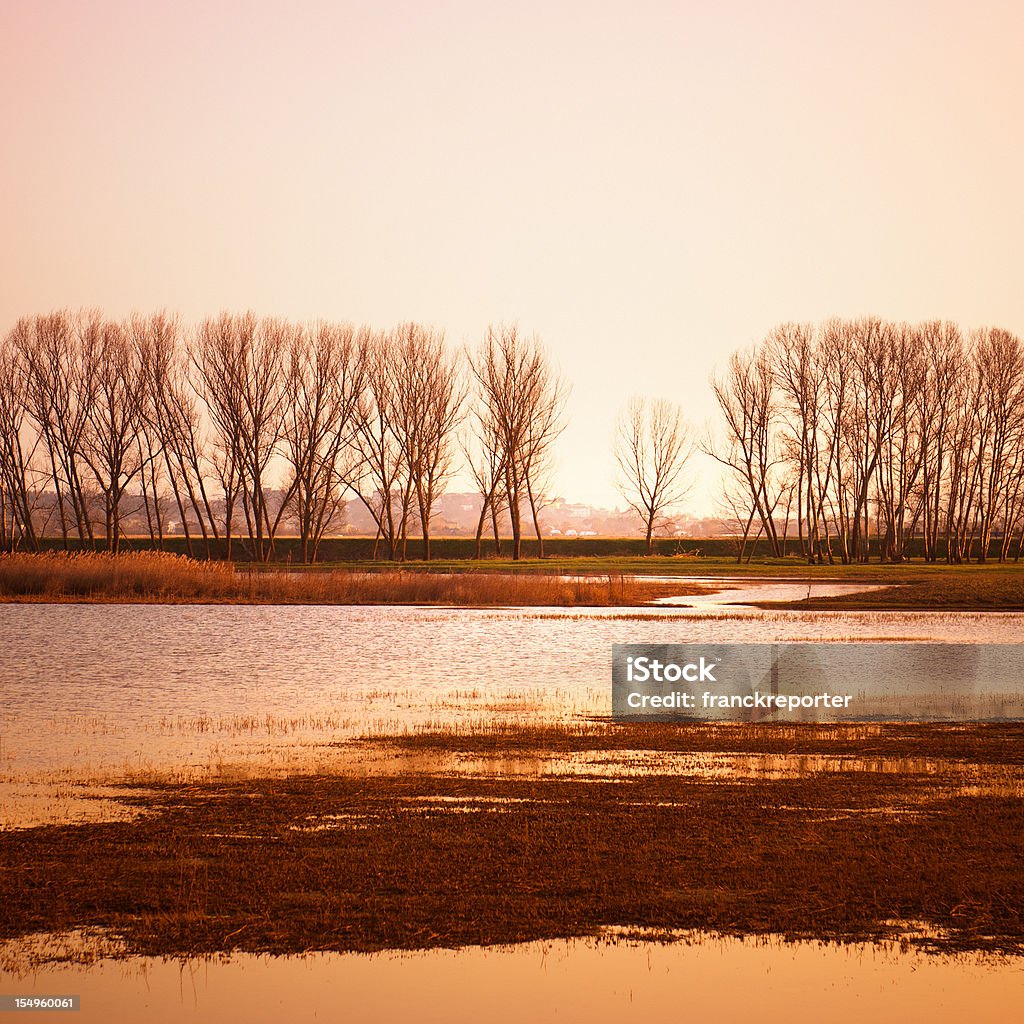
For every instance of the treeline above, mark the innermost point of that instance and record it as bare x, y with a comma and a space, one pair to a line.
239, 424
863, 434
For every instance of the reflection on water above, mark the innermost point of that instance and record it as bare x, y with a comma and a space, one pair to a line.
582, 980
93, 693
748, 592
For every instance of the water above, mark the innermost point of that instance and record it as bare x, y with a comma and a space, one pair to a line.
781, 983
94, 693
745, 592
97, 694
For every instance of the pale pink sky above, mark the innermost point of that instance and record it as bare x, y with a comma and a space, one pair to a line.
647, 185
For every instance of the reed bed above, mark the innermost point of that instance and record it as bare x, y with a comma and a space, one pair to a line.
152, 577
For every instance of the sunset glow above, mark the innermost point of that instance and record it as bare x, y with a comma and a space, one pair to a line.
647, 186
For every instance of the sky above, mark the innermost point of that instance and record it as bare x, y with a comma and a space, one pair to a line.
648, 186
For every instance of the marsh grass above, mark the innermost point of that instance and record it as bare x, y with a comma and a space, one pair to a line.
977, 743
165, 578
286, 865
60, 576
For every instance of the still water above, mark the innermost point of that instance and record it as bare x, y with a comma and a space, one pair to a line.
94, 695
713, 979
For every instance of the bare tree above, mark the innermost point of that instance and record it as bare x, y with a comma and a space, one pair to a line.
379, 475
965, 463
176, 433
871, 351
543, 428
1000, 360
800, 378
653, 445
114, 419
944, 369
428, 394
523, 397
484, 457
899, 492
326, 365
18, 446
56, 350
238, 371
746, 396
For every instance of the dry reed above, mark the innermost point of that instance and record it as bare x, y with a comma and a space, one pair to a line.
166, 578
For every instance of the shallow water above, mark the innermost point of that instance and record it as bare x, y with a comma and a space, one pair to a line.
581, 980
744, 592
93, 693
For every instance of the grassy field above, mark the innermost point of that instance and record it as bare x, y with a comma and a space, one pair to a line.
883, 832
775, 568
991, 587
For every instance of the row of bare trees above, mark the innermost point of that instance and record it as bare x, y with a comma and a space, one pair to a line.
863, 434
242, 424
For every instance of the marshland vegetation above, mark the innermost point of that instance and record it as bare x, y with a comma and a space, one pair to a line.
164, 578
557, 582
419, 860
